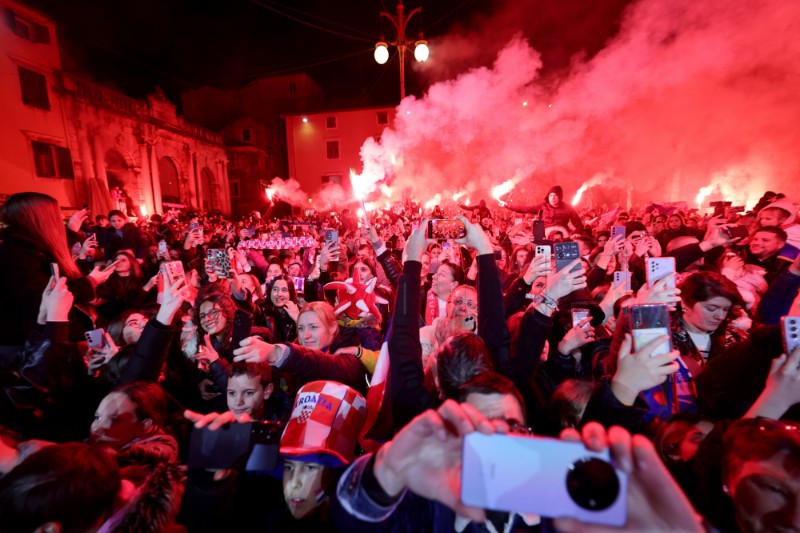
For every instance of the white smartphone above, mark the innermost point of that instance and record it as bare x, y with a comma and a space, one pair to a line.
542, 476
623, 279
545, 250
790, 327
658, 268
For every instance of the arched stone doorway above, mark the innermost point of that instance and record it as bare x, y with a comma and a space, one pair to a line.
208, 184
168, 178
119, 172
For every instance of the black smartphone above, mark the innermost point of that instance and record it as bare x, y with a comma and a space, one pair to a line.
251, 447
736, 231
242, 323
566, 253
498, 255
538, 234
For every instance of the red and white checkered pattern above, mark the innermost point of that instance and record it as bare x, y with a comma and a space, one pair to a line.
327, 418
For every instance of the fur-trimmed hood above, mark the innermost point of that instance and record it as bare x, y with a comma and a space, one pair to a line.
153, 505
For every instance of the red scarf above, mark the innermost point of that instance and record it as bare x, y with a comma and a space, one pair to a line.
431, 308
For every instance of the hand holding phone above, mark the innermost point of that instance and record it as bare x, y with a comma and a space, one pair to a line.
543, 476
442, 229
649, 321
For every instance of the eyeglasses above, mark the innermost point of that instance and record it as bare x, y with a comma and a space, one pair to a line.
211, 315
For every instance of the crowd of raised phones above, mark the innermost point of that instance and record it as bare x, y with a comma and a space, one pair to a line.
134, 354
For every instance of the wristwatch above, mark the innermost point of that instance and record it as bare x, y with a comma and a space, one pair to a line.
545, 299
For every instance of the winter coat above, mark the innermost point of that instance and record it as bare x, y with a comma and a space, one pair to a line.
132, 239
24, 273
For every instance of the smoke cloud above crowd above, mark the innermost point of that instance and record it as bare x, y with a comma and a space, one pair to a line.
688, 95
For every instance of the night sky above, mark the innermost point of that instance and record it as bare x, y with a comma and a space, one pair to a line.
182, 44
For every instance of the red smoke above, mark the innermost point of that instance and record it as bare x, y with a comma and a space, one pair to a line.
689, 93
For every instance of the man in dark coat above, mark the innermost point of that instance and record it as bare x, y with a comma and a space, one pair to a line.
554, 211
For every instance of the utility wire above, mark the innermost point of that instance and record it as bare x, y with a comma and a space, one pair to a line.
333, 22
310, 24
285, 70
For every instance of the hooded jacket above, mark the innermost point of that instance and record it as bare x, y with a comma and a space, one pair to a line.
561, 215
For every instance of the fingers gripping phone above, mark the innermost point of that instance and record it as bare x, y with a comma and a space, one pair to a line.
442, 229
251, 447
242, 323
579, 314
542, 476
95, 338
332, 236
658, 268
622, 279
649, 321
545, 250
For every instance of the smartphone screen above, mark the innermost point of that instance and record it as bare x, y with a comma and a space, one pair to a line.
579, 314
649, 321
446, 228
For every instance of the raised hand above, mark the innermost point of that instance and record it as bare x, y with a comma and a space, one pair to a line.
56, 301
537, 268
580, 334
292, 309
214, 421
425, 457
257, 350
655, 501
640, 371
77, 219
417, 242
100, 274
206, 354
563, 282
88, 247
782, 389
476, 238
171, 300
660, 293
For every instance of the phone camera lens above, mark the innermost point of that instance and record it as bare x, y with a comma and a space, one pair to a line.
593, 484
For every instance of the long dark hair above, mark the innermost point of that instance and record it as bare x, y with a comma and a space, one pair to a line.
220, 294
289, 283
38, 215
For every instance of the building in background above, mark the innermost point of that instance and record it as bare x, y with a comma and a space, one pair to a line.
250, 118
324, 146
75, 140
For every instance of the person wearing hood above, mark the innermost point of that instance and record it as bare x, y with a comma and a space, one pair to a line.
554, 211
782, 213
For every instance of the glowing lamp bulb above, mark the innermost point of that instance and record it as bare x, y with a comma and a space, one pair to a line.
305, 120
524, 104
381, 53
421, 51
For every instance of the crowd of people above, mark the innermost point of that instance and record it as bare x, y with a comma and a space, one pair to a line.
362, 352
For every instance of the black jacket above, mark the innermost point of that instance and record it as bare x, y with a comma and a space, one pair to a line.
132, 239
24, 273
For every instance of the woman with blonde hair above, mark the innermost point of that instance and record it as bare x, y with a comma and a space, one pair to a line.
34, 239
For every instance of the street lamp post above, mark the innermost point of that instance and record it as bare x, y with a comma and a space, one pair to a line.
399, 23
